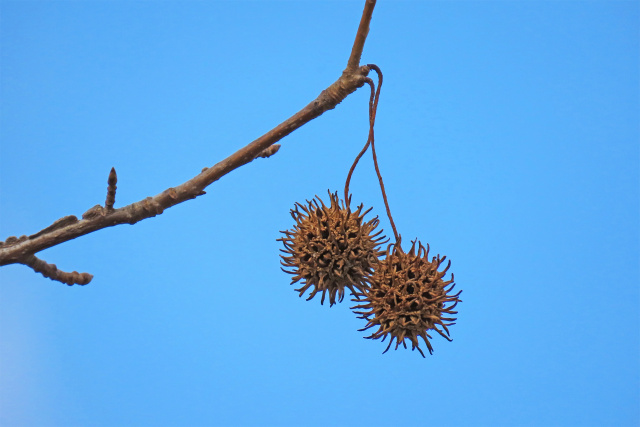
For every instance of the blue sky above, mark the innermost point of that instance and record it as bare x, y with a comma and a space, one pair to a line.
508, 136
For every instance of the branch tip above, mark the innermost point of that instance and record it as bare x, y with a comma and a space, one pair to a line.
113, 177
111, 189
51, 271
361, 35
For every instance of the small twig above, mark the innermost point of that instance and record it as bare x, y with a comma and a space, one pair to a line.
51, 271
361, 36
111, 189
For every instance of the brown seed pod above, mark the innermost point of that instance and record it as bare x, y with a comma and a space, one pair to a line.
408, 297
330, 248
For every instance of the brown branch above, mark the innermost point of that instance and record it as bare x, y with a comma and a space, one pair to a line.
361, 35
51, 271
22, 250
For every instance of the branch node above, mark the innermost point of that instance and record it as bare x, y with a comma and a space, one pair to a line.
111, 189
10, 240
152, 206
349, 82
51, 271
93, 212
269, 151
13, 239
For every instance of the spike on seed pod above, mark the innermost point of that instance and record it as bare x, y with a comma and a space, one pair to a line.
408, 298
330, 248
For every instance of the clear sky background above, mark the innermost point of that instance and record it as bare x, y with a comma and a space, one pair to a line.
508, 136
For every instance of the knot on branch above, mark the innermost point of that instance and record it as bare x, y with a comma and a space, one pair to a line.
13, 239
94, 212
152, 206
269, 151
172, 193
348, 83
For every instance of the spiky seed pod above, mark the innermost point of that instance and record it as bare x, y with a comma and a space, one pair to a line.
408, 298
330, 248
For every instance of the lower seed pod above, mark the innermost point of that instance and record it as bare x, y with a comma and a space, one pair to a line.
408, 298
330, 248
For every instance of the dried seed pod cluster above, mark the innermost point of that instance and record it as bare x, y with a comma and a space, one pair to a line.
408, 297
330, 248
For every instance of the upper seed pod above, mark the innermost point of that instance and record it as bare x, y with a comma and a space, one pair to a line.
330, 248
408, 297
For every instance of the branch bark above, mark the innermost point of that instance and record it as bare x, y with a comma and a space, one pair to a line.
22, 250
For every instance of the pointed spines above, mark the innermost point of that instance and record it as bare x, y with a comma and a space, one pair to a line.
330, 248
408, 297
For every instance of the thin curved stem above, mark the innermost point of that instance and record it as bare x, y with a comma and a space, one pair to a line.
373, 150
366, 146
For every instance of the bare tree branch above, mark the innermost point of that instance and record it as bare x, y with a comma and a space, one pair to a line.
361, 36
21, 250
